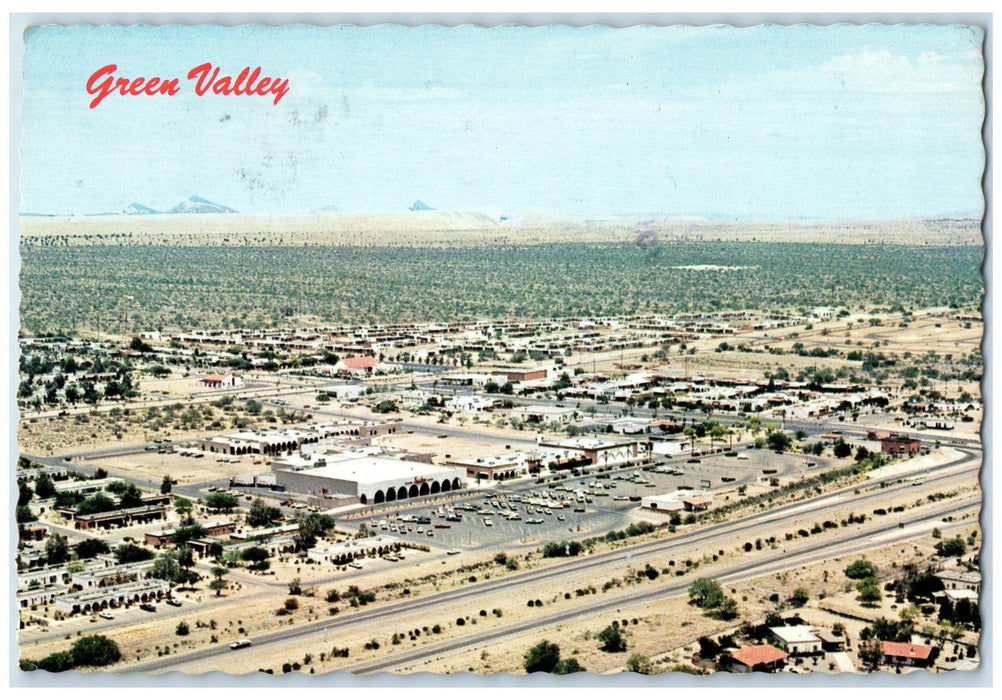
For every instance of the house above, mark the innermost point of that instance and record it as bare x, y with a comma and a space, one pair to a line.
362, 365
221, 381
954, 580
895, 444
907, 654
758, 657
797, 640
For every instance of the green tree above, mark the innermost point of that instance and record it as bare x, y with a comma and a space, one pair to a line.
222, 501
311, 527
861, 569
612, 639
183, 506
53, 663
842, 449
90, 548
44, 488
218, 582
567, 666
728, 609
166, 486
98, 503
706, 593
953, 547
257, 556
800, 596
261, 514
24, 493
543, 657
23, 514
869, 654
57, 550
129, 553
95, 650
638, 663
166, 567
708, 649
778, 441
869, 592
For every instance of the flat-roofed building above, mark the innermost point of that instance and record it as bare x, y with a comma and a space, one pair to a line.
344, 552
119, 518
544, 414
676, 501
797, 640
497, 467
372, 479
43, 595
895, 444
93, 599
585, 451
960, 580
216, 528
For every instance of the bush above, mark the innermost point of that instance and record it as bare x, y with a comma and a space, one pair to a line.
95, 650
182, 629
953, 547
612, 639
638, 663
566, 666
861, 569
543, 657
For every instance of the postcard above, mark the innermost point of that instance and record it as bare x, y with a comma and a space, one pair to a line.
647, 350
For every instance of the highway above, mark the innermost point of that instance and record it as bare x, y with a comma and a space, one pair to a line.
808, 551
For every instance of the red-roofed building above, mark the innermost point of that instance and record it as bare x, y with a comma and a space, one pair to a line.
361, 365
758, 657
221, 381
906, 653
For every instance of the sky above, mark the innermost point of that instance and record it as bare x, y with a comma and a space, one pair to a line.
768, 122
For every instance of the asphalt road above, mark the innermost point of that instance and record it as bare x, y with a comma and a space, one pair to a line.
794, 555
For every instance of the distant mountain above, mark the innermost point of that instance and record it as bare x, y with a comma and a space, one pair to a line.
421, 206
197, 205
136, 209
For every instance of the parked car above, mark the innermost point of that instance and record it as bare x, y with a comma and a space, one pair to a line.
148, 608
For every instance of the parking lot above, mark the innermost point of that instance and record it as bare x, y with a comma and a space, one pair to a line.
527, 514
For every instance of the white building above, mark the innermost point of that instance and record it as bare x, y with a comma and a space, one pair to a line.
586, 451
371, 479
797, 640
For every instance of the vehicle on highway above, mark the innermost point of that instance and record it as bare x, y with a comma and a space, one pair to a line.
241, 644
453, 551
